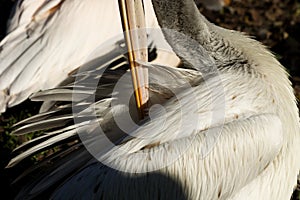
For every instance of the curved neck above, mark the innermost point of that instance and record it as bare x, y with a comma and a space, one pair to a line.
182, 16
187, 32
211, 45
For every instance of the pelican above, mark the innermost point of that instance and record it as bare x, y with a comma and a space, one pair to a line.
227, 126
41, 37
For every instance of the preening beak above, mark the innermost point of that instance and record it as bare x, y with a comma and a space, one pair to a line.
133, 19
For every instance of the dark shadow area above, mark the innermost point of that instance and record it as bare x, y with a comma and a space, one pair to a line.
289, 50
95, 181
8, 142
5, 10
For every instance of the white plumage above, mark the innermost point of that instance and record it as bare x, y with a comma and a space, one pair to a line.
41, 41
229, 133
49, 39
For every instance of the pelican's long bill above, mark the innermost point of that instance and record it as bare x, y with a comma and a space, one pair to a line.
133, 19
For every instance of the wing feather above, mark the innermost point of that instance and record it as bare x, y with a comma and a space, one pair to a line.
237, 147
183, 129
49, 39
52, 40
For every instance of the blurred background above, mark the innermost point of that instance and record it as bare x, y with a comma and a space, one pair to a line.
276, 23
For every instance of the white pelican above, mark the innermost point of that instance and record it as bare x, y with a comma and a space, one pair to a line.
54, 37
229, 133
